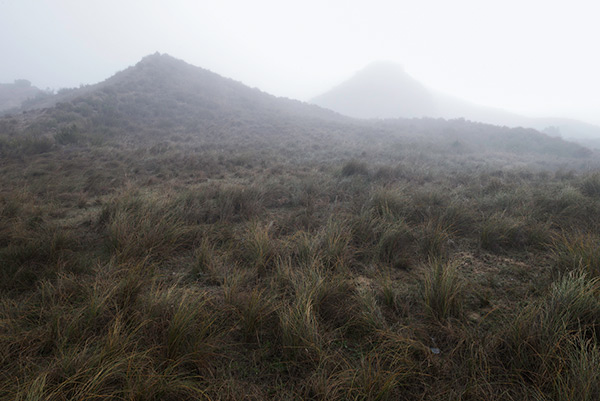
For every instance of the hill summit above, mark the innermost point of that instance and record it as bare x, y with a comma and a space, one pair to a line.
162, 94
380, 90
385, 90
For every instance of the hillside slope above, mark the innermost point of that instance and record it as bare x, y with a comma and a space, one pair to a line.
164, 98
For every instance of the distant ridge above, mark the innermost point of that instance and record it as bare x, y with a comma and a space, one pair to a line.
163, 98
380, 90
385, 90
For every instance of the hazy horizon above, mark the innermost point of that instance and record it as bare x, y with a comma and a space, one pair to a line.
535, 58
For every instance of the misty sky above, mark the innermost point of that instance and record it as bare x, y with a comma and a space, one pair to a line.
536, 57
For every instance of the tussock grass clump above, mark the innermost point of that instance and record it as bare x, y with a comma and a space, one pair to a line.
184, 327
389, 371
226, 203
192, 330
299, 326
26, 145
16, 205
395, 246
573, 304
442, 290
580, 379
427, 204
69, 135
387, 292
143, 225
389, 204
355, 167
113, 335
234, 202
369, 318
590, 185
304, 248
390, 174
335, 244
372, 379
336, 304
365, 231
258, 249
458, 218
567, 207
552, 341
206, 265
434, 240
331, 294
35, 252
253, 308
577, 251
502, 232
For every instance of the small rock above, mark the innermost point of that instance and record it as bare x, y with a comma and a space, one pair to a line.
474, 316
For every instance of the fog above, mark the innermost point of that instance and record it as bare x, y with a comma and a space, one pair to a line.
537, 58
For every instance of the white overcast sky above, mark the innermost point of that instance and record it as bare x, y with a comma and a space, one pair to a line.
537, 57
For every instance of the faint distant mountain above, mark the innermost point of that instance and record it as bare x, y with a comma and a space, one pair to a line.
12, 96
162, 98
385, 90
381, 90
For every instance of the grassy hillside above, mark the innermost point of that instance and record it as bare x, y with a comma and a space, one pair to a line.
281, 254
